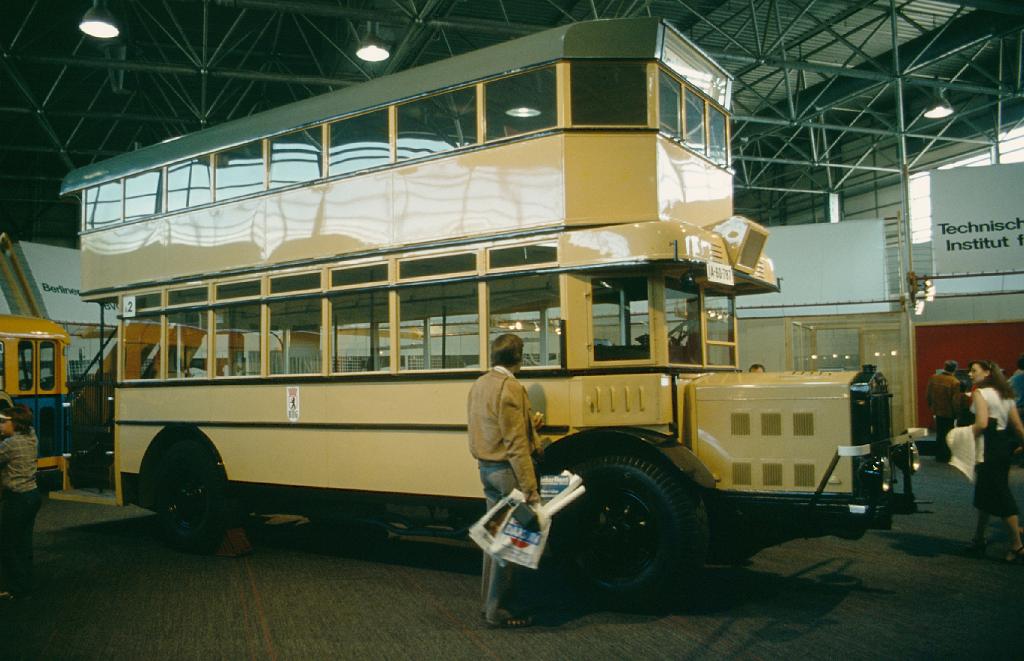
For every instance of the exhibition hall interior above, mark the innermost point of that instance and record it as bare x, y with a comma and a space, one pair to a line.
749, 268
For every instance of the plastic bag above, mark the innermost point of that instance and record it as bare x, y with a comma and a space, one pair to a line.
507, 539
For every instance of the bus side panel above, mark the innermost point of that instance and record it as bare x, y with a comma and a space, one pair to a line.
395, 437
690, 189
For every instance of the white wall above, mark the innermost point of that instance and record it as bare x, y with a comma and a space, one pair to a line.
822, 265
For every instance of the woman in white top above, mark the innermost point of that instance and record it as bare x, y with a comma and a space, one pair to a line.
994, 412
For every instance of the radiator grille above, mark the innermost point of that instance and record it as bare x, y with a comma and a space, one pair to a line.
741, 473
771, 424
803, 475
803, 424
771, 475
740, 424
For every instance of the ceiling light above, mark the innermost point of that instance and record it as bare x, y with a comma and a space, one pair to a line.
99, 22
522, 111
939, 107
372, 48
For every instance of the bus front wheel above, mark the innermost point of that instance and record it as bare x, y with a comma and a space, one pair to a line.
191, 503
637, 534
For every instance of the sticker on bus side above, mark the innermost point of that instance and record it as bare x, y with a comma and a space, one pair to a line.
720, 273
292, 403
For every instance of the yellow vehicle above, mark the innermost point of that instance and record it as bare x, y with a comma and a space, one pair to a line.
319, 284
33, 373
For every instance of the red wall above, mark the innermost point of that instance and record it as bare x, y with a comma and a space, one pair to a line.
999, 342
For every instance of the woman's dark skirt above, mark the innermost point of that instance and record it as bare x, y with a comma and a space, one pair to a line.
992, 488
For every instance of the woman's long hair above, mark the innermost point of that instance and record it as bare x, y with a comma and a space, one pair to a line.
995, 378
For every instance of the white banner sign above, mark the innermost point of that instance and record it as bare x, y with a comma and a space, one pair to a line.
976, 219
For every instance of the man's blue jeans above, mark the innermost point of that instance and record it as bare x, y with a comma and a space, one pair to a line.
497, 580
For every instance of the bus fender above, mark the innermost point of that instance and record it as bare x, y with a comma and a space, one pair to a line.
592, 442
158, 447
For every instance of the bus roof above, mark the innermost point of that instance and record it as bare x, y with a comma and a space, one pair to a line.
636, 38
12, 325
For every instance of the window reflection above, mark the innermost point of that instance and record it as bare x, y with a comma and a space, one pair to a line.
719, 312
620, 318
295, 157
239, 171
187, 337
529, 307
358, 143
188, 184
718, 137
238, 340
609, 93
520, 104
26, 365
682, 320
439, 327
103, 204
142, 348
668, 105
437, 124
143, 195
361, 332
294, 337
695, 122
47, 365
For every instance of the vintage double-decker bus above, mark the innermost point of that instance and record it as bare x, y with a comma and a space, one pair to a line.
307, 294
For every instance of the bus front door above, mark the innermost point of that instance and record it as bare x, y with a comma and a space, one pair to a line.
39, 388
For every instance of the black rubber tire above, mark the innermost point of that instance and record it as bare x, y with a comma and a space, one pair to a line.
191, 499
637, 536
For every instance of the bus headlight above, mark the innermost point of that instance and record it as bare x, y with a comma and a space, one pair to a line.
872, 475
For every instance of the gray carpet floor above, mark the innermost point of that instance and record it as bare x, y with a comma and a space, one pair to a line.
108, 589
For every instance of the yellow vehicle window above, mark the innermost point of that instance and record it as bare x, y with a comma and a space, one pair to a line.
621, 321
682, 319
47, 365
26, 372
361, 332
294, 336
529, 307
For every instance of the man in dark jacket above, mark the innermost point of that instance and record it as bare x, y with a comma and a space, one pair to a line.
943, 388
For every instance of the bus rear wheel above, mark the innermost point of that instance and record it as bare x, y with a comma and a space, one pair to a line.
637, 535
191, 503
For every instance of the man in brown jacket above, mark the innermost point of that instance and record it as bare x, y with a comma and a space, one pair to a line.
503, 439
943, 389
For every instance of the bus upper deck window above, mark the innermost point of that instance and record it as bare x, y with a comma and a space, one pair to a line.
143, 194
103, 205
359, 143
521, 104
188, 184
295, 157
718, 139
669, 97
239, 171
609, 93
695, 122
438, 123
